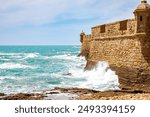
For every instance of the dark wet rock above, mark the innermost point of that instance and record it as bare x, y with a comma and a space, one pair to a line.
68, 74
87, 94
83, 94
23, 96
2, 94
84, 53
52, 92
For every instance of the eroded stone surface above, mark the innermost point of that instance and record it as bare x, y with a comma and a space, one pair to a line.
125, 45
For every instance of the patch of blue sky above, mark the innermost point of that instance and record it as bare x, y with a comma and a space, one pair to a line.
57, 22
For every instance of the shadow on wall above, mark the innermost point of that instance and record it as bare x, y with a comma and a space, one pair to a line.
145, 46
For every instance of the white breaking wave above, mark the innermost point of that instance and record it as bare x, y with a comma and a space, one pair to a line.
14, 66
31, 55
101, 78
20, 55
68, 57
8, 54
5, 59
7, 77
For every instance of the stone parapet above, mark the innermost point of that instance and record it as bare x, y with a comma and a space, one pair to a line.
126, 27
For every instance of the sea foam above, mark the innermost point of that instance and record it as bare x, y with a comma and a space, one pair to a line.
100, 78
14, 66
19, 55
31, 55
7, 77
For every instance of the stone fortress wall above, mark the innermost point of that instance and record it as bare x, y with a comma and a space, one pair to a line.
125, 45
126, 27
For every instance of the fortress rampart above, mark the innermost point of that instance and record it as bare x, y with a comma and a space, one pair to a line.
125, 45
126, 27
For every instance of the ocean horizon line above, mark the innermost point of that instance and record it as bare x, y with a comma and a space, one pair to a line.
40, 45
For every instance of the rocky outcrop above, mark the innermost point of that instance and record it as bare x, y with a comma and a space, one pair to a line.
82, 94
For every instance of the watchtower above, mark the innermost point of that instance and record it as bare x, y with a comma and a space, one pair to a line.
81, 36
142, 17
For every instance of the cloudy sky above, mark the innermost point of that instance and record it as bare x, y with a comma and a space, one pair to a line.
57, 22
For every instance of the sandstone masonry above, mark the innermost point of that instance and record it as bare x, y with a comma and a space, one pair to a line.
125, 45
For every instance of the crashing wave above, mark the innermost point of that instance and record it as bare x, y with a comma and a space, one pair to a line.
101, 78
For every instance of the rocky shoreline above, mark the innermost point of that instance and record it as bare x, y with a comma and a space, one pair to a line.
80, 94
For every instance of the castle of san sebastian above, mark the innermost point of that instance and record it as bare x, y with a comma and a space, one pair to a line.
125, 45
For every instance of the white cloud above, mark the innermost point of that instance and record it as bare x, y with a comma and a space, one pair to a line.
37, 12
21, 21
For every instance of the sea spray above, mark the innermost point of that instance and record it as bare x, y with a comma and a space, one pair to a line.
100, 78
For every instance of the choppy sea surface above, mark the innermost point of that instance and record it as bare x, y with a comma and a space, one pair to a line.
36, 68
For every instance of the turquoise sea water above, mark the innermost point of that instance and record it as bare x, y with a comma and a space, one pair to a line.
33, 68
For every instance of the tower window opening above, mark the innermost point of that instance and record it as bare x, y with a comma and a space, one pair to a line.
123, 25
103, 29
141, 18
